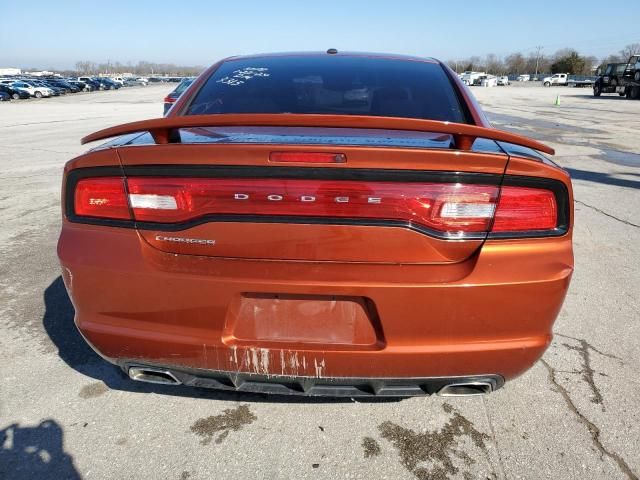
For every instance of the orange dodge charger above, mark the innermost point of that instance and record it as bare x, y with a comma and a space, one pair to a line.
340, 224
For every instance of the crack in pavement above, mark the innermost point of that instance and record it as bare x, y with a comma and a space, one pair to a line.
584, 349
594, 431
604, 354
493, 437
626, 222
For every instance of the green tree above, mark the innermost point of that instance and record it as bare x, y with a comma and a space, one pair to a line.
572, 64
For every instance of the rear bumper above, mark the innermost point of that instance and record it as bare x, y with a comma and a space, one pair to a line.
313, 386
492, 314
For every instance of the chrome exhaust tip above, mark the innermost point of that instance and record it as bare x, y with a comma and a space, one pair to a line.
153, 375
465, 389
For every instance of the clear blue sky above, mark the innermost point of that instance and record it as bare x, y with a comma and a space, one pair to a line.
57, 33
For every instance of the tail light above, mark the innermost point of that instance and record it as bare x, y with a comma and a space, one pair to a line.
102, 197
525, 209
446, 210
169, 99
443, 208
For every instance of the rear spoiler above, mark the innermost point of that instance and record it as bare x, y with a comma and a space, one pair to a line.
463, 134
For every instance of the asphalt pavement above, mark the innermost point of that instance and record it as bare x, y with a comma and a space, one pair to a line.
65, 413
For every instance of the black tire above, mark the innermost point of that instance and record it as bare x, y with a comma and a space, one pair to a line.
636, 76
634, 93
547, 84
16, 96
596, 90
37, 95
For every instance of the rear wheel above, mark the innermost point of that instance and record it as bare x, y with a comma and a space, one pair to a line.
636, 76
634, 92
37, 95
16, 96
547, 84
622, 94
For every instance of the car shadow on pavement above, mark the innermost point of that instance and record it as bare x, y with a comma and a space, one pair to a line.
74, 351
604, 97
35, 452
601, 177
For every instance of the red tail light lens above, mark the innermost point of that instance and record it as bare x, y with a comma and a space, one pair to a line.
169, 99
446, 208
525, 209
102, 197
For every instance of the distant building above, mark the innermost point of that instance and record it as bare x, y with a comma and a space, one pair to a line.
10, 71
43, 73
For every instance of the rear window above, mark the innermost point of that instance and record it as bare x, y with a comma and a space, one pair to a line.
332, 84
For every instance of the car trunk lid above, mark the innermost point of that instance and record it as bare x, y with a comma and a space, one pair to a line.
330, 188
313, 195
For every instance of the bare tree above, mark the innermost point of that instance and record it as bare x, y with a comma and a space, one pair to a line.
590, 65
494, 64
537, 62
474, 63
454, 65
613, 59
516, 63
629, 50
142, 68
85, 67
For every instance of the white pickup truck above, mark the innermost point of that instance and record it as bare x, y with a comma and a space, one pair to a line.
556, 79
566, 80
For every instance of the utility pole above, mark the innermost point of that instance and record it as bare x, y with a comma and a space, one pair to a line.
538, 48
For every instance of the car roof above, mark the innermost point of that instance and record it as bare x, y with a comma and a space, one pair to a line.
312, 54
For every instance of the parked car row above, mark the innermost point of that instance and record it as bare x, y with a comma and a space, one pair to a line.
23, 87
483, 79
165, 79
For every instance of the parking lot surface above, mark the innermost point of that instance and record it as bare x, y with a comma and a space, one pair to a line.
65, 413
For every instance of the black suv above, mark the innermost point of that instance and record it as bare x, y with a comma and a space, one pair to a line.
610, 79
620, 78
